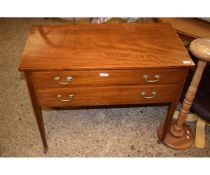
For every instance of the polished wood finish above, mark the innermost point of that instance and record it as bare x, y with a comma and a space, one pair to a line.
178, 143
107, 46
201, 48
190, 95
109, 64
105, 77
192, 27
37, 109
165, 125
114, 95
180, 136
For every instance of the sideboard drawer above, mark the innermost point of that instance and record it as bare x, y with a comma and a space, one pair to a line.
88, 96
104, 77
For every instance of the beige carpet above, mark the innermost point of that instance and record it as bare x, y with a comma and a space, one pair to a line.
120, 132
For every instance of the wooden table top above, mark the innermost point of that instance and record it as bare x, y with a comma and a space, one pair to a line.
193, 27
104, 46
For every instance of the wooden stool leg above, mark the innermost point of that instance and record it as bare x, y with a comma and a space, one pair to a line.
176, 113
200, 133
190, 117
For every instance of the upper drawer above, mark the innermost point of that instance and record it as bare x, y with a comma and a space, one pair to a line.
105, 77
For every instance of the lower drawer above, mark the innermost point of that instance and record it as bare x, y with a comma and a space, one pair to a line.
93, 96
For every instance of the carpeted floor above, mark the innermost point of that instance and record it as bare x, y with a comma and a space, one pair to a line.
119, 132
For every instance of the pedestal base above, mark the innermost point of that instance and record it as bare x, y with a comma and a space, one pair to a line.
178, 143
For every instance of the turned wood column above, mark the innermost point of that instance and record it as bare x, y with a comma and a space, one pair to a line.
177, 129
180, 135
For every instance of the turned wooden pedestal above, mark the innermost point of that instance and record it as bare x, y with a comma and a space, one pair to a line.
180, 135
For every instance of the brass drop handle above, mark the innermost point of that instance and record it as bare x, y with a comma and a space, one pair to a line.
154, 94
68, 79
157, 78
60, 97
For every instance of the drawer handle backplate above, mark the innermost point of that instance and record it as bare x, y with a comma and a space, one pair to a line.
157, 78
154, 94
68, 79
60, 97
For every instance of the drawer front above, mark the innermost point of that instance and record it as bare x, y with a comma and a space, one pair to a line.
104, 77
93, 96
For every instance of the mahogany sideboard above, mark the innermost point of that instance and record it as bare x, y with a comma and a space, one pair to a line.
102, 65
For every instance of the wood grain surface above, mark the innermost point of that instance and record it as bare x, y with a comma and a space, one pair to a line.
107, 46
97, 65
93, 96
193, 27
105, 77
37, 109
